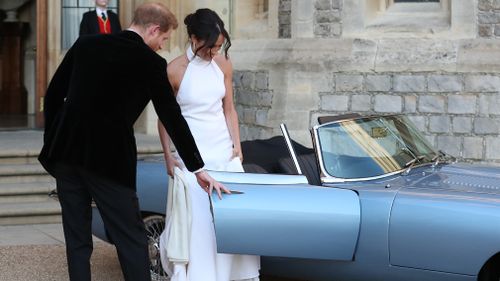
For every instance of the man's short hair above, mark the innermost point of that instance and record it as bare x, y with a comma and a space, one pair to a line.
155, 13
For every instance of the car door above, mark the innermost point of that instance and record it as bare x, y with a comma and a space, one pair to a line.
271, 215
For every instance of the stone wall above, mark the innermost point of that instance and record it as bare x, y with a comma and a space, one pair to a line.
327, 18
254, 100
449, 88
284, 19
489, 18
459, 113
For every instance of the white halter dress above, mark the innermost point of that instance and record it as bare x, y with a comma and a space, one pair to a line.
200, 97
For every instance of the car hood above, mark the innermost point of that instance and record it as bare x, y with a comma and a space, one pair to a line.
462, 177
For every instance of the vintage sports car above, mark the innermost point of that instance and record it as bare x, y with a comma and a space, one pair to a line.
372, 201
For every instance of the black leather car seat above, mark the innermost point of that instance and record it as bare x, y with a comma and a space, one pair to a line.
308, 165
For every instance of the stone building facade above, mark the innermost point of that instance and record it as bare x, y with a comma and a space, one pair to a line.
436, 62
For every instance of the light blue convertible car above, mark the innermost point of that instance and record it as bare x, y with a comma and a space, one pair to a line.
372, 201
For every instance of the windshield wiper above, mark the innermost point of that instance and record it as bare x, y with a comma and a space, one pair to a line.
444, 156
409, 165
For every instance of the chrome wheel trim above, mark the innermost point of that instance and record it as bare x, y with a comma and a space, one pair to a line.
154, 226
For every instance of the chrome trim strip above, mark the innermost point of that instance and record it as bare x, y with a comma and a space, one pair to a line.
251, 178
327, 178
284, 131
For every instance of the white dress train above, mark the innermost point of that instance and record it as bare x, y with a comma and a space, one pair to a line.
200, 97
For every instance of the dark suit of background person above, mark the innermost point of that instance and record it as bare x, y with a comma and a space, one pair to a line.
91, 105
90, 23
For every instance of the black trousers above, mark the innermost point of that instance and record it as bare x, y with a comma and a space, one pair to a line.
119, 208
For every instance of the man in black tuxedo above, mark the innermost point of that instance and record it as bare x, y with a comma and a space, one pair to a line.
91, 105
100, 21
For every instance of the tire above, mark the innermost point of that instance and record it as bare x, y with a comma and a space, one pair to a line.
490, 271
154, 225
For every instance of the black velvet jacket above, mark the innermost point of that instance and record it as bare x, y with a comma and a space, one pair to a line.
90, 24
97, 93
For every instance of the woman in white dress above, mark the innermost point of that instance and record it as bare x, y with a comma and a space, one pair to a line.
202, 81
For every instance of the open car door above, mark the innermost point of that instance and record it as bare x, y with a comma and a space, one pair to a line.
273, 216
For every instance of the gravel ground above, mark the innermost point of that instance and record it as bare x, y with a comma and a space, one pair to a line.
48, 263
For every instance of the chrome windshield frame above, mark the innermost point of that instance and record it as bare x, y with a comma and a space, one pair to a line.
326, 177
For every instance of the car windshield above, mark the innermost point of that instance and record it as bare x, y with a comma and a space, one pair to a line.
373, 146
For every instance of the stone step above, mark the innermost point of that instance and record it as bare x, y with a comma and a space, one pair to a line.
47, 211
19, 160
25, 198
23, 173
30, 188
21, 169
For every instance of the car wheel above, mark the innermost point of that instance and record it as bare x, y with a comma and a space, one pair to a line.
490, 271
154, 227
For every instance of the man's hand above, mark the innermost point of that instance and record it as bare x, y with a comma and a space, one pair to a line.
209, 184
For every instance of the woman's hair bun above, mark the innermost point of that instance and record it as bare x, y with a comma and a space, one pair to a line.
188, 20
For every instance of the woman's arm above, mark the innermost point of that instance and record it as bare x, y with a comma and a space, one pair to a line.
170, 160
228, 106
165, 139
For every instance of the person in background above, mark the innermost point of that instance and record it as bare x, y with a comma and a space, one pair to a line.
100, 21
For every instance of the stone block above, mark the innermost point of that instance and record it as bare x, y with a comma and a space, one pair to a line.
335, 29
495, 4
285, 31
388, 103
323, 5
337, 4
361, 103
431, 104
485, 5
378, 83
322, 30
261, 117
265, 98
497, 30
410, 104
482, 83
262, 80
473, 148
445, 83
286, 5
492, 148
450, 144
439, 124
237, 77
489, 104
249, 115
483, 125
462, 125
284, 18
335, 102
348, 82
420, 122
327, 16
488, 17
485, 30
462, 104
247, 79
409, 83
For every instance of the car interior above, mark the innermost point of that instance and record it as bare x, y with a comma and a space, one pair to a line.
271, 156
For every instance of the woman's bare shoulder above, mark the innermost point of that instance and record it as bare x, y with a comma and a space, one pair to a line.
177, 66
224, 63
178, 63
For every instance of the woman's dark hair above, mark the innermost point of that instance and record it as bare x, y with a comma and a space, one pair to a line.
206, 26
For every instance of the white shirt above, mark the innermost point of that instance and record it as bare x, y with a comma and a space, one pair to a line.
100, 11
